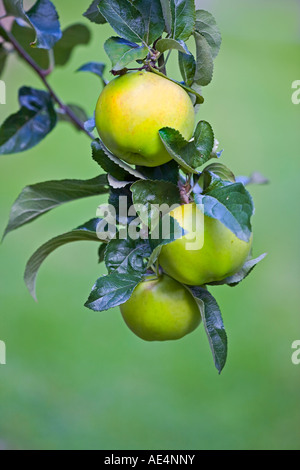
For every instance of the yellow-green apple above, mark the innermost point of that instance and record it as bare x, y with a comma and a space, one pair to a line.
132, 109
207, 252
161, 309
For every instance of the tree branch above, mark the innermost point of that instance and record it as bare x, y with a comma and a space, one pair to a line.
43, 74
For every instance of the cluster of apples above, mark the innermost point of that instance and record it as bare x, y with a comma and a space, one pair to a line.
129, 114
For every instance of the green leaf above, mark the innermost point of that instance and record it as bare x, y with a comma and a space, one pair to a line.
204, 61
124, 18
15, 8
187, 65
86, 232
165, 44
166, 172
207, 26
25, 35
44, 19
153, 199
113, 290
152, 14
118, 171
167, 14
93, 13
194, 92
221, 171
74, 35
113, 164
3, 58
213, 324
37, 199
234, 280
101, 252
183, 18
26, 128
190, 155
97, 68
123, 255
232, 205
122, 52
115, 195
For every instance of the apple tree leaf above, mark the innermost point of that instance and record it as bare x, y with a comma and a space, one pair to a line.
232, 205
167, 15
204, 61
187, 66
122, 52
93, 14
234, 280
122, 255
207, 26
152, 14
213, 324
124, 18
165, 44
40, 198
183, 18
167, 172
26, 128
86, 232
44, 19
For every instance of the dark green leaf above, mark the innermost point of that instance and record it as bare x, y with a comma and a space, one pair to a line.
93, 13
204, 61
86, 232
167, 14
187, 65
190, 155
121, 200
113, 290
167, 172
221, 171
15, 8
122, 52
194, 92
44, 19
26, 128
112, 164
213, 324
152, 14
234, 280
74, 35
183, 18
3, 57
101, 252
153, 199
232, 205
123, 255
207, 26
25, 36
165, 44
40, 198
124, 18
97, 68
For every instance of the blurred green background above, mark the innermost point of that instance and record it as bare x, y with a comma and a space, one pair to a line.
75, 379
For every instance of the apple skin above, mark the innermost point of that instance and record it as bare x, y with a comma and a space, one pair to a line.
161, 310
220, 253
132, 109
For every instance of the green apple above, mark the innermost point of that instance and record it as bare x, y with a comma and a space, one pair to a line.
208, 252
161, 309
132, 109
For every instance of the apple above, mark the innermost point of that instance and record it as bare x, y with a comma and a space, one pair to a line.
161, 309
208, 252
132, 109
